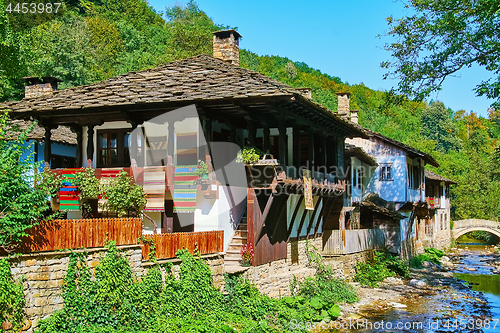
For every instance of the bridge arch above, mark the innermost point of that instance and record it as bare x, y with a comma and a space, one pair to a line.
462, 227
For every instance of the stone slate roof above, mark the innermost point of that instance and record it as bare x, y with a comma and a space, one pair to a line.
434, 176
198, 78
61, 134
426, 157
360, 154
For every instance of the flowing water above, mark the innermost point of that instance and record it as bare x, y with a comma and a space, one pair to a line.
468, 302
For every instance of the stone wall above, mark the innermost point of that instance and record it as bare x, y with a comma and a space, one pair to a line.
43, 276
273, 279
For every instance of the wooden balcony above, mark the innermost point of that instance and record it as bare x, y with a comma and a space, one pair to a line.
433, 202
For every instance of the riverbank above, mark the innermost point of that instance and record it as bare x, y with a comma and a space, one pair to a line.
430, 300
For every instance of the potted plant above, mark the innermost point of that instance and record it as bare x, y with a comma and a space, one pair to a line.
123, 196
50, 183
247, 255
88, 187
260, 170
202, 170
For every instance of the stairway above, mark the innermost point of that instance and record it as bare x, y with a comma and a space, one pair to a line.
232, 257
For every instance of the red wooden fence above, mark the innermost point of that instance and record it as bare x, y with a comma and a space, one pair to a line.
167, 244
86, 233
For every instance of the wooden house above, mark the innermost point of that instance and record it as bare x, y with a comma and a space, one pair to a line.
114, 119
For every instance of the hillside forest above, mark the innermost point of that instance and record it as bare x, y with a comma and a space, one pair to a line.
90, 40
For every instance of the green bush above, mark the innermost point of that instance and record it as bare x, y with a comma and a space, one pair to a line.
115, 301
11, 297
431, 255
249, 155
382, 266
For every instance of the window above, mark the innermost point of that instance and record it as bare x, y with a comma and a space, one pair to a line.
359, 178
413, 177
113, 148
441, 221
386, 172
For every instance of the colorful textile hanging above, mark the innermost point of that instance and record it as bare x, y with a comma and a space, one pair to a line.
185, 189
154, 187
68, 194
106, 175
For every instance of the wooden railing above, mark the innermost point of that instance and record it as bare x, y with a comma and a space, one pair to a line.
168, 244
74, 234
353, 241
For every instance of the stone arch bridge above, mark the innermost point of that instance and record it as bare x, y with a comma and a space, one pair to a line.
462, 227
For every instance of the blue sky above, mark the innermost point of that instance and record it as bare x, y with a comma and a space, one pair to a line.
337, 37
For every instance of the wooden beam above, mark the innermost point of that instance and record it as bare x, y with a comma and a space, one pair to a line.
267, 139
79, 144
311, 152
47, 147
315, 212
90, 143
252, 132
260, 225
326, 212
294, 215
296, 149
302, 219
282, 144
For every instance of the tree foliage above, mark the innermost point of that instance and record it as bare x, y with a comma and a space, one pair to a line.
21, 204
442, 37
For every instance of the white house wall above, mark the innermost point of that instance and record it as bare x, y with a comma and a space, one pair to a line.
221, 214
391, 190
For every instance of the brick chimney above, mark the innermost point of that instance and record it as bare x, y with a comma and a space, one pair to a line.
227, 46
343, 105
355, 116
36, 87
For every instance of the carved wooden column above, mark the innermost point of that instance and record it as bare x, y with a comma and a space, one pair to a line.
170, 139
90, 143
282, 143
267, 139
252, 133
47, 148
296, 149
311, 150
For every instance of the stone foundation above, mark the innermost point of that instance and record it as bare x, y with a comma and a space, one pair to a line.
43, 276
273, 279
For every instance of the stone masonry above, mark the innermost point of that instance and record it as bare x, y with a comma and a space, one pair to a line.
273, 279
43, 277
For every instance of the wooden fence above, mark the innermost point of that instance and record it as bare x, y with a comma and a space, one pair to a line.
168, 244
85, 233
353, 241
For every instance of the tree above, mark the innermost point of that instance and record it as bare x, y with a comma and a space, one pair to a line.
21, 204
441, 38
438, 125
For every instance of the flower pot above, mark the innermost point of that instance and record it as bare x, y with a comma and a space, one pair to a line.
204, 176
245, 263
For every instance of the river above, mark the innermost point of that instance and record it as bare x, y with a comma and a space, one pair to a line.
466, 300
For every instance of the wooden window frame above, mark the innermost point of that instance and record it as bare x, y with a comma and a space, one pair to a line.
383, 172
120, 147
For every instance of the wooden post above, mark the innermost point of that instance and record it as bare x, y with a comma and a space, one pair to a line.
296, 150
340, 156
311, 152
133, 143
170, 139
282, 143
90, 143
267, 139
79, 145
47, 148
252, 133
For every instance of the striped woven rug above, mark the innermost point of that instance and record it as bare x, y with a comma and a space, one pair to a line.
68, 194
154, 187
185, 189
106, 175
